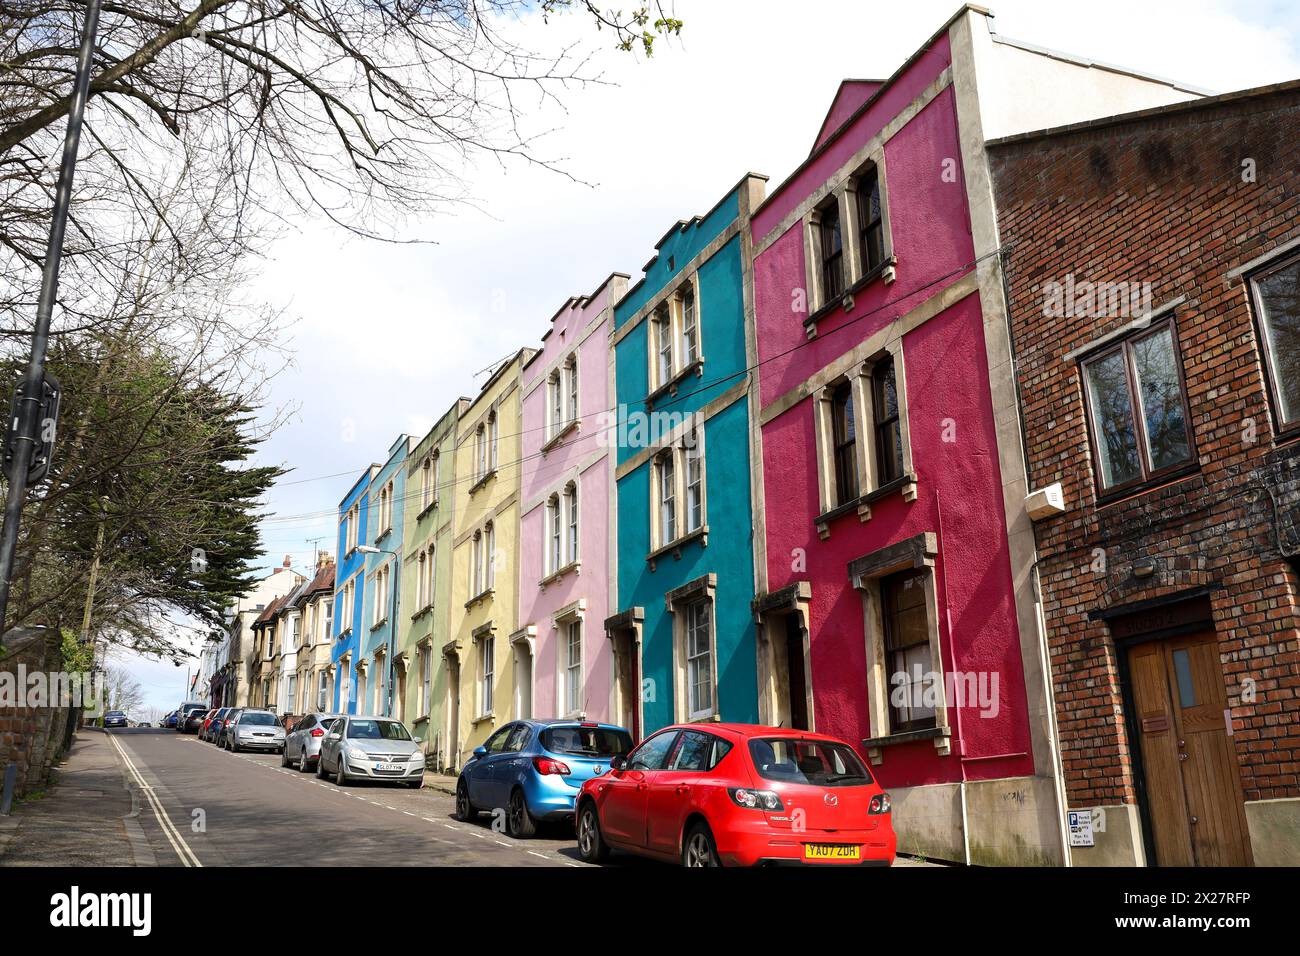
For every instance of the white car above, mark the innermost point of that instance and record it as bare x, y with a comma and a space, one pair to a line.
256, 730
371, 748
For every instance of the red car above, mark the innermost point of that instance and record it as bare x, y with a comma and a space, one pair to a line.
737, 795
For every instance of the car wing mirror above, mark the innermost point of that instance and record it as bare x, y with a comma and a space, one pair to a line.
480, 751
618, 763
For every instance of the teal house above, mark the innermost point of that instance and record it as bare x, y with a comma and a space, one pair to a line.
684, 539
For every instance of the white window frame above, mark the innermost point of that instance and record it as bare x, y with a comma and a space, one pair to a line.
426, 679
698, 596
572, 532
844, 197
554, 547
859, 379
573, 672
667, 332
664, 513
486, 673
489, 556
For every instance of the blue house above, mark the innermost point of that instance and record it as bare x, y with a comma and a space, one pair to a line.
685, 544
383, 577
350, 591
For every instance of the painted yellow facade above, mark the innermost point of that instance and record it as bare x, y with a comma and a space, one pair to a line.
477, 657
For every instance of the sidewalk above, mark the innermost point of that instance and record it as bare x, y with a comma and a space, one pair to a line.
87, 817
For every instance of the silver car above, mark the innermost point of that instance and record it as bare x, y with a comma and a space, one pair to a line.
370, 748
256, 730
302, 747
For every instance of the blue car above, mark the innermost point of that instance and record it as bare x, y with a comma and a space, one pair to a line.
533, 769
115, 718
170, 720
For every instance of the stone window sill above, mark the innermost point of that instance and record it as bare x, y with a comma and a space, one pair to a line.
675, 547
558, 437
940, 735
862, 504
421, 612
669, 388
572, 566
426, 509
491, 473
480, 597
887, 270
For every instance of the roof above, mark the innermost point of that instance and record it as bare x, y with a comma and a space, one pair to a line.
1154, 112
270, 611
323, 581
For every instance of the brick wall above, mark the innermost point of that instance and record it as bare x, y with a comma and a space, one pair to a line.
31, 737
1161, 199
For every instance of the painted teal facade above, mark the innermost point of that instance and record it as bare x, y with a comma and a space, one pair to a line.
351, 566
647, 573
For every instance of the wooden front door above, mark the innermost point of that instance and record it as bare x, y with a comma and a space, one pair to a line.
1193, 790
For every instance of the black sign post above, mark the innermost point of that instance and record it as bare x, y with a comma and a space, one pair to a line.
30, 429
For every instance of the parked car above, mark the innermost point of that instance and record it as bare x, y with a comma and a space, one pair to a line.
210, 723
221, 736
370, 748
534, 770
115, 718
740, 795
302, 746
255, 730
190, 716
168, 722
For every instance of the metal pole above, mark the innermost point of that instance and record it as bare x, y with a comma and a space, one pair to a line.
26, 428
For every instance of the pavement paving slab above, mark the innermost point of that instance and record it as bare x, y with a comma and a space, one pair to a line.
88, 815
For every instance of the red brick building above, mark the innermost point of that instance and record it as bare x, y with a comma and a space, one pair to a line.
1153, 275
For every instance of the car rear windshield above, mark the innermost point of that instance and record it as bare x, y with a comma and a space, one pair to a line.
587, 741
814, 762
260, 720
377, 730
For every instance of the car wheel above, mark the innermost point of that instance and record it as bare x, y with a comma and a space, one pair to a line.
303, 765
341, 775
284, 756
591, 843
465, 811
519, 822
320, 767
699, 848
416, 784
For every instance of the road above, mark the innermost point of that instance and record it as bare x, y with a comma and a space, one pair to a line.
207, 807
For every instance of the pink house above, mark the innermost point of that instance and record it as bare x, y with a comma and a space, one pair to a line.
898, 607
565, 552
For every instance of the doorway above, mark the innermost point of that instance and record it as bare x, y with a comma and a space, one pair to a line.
1181, 720
792, 648
452, 710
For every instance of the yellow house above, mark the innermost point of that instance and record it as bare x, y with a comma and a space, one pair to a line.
477, 657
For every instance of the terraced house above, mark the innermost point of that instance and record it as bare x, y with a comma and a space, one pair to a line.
477, 655
423, 620
681, 632
900, 609
350, 591
374, 666
1154, 281
315, 636
564, 666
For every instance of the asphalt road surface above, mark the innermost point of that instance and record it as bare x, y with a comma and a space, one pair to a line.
204, 806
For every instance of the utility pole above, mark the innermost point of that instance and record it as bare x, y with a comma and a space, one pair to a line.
26, 428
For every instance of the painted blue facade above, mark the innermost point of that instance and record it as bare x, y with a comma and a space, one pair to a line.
722, 558
387, 536
351, 566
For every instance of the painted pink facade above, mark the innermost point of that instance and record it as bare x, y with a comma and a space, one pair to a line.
929, 316
563, 454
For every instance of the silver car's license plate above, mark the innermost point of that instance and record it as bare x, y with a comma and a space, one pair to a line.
388, 767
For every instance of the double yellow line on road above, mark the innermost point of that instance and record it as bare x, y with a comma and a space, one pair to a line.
169, 830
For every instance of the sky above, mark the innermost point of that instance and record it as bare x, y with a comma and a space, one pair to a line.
385, 337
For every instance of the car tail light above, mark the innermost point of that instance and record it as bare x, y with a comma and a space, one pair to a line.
879, 803
755, 799
546, 766
588, 723
317, 732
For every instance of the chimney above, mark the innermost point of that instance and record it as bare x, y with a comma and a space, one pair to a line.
288, 561
323, 559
